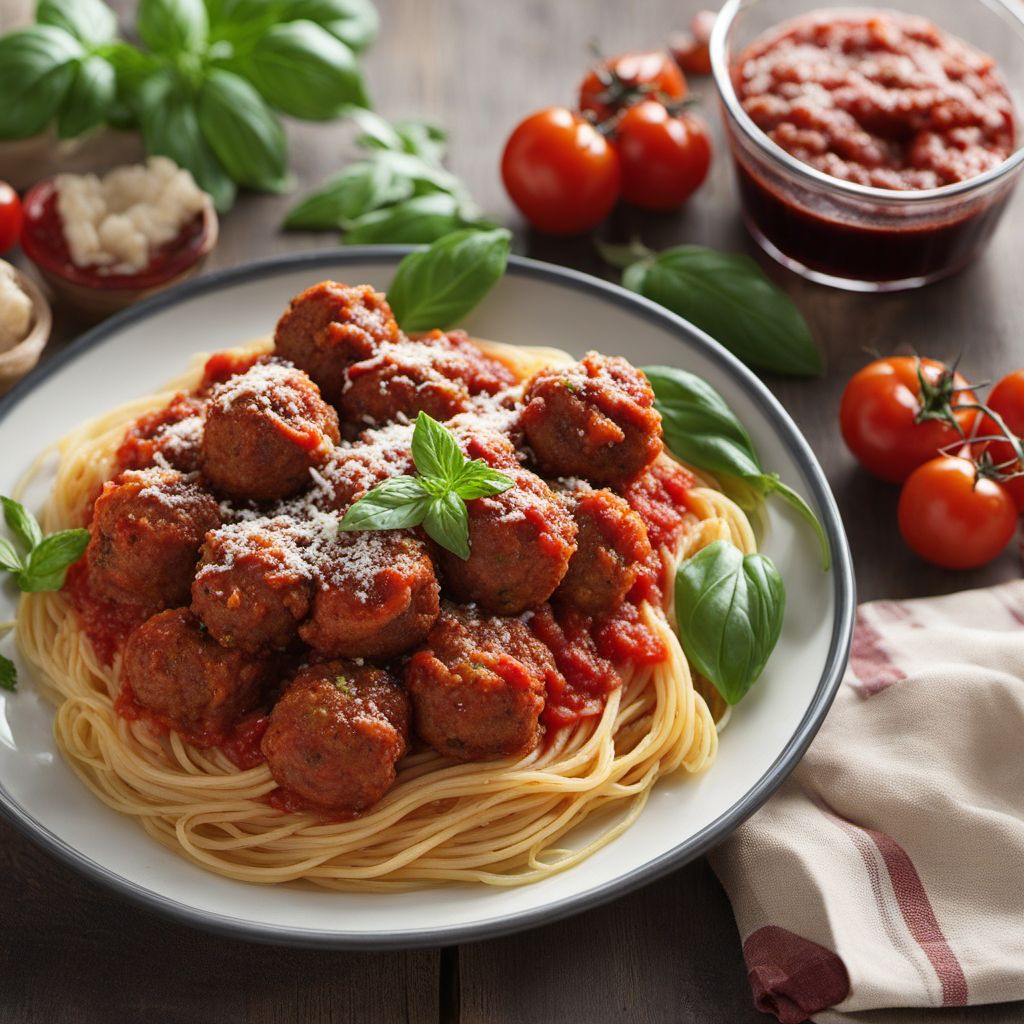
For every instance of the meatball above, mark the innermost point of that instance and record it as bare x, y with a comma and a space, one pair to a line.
179, 673
401, 381
330, 326
353, 469
376, 595
265, 429
146, 530
252, 587
478, 687
336, 735
595, 419
520, 543
611, 548
457, 357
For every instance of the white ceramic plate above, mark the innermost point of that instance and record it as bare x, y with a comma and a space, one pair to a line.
535, 303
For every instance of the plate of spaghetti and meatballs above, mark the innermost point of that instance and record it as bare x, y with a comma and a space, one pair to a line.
365, 636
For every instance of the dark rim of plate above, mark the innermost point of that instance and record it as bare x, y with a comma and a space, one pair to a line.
695, 845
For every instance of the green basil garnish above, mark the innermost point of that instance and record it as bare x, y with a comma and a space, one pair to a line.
421, 219
8, 675
89, 98
90, 21
729, 611
436, 497
703, 431
37, 67
173, 26
438, 286
354, 22
728, 296
361, 187
46, 560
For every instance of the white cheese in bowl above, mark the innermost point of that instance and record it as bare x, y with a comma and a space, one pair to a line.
15, 309
116, 222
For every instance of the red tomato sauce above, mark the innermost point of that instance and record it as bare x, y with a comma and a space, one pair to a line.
242, 745
143, 441
106, 623
223, 365
660, 497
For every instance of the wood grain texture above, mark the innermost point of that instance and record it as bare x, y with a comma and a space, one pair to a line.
72, 952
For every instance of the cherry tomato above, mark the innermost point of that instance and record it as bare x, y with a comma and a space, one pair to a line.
664, 157
690, 49
10, 217
949, 519
629, 74
878, 416
1007, 399
560, 171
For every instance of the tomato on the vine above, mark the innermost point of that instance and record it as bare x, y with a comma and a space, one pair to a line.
665, 157
560, 171
691, 49
887, 418
1007, 399
951, 518
10, 217
619, 81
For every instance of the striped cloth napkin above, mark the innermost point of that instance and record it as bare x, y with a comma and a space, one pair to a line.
888, 870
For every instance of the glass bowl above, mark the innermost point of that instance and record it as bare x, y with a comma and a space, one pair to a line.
855, 236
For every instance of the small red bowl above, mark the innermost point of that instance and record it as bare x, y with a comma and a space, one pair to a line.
86, 289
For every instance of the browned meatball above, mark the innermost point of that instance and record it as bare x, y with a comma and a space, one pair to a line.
376, 595
595, 419
182, 676
265, 429
520, 543
336, 735
456, 356
146, 530
329, 326
253, 587
353, 469
611, 548
478, 687
400, 381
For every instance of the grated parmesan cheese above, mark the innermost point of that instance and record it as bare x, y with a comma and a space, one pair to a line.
15, 309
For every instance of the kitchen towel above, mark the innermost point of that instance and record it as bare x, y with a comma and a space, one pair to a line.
888, 869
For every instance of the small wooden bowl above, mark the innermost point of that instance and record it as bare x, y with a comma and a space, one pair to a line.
92, 295
16, 362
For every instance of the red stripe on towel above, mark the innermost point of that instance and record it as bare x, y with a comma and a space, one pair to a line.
869, 661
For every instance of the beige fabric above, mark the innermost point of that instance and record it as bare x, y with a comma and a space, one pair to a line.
895, 850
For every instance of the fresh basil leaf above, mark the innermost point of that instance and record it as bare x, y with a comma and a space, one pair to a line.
702, 430
303, 70
9, 560
416, 220
37, 66
90, 21
131, 66
423, 139
243, 132
729, 612
170, 127
437, 287
88, 99
728, 296
478, 480
361, 187
354, 22
435, 450
394, 504
447, 523
21, 522
49, 561
241, 22
173, 26
427, 177
8, 675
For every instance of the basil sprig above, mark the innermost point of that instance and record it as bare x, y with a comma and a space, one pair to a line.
205, 85
8, 675
399, 192
436, 287
45, 560
703, 431
436, 497
727, 295
729, 611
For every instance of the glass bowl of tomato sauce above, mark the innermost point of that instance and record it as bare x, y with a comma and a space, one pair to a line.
875, 149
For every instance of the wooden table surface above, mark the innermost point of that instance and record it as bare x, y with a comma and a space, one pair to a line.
71, 951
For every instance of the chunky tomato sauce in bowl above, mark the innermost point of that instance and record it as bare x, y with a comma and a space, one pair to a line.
875, 149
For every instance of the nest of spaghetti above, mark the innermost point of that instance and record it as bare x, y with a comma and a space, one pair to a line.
278, 699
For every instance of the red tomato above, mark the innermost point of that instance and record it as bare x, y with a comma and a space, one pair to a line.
664, 157
10, 217
626, 77
691, 49
879, 410
1007, 399
560, 171
949, 519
